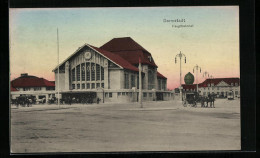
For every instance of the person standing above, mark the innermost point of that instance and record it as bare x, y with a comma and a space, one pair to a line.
202, 102
213, 100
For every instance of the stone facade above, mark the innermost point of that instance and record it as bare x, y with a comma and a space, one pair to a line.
90, 70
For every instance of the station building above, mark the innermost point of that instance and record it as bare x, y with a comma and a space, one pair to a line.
218, 86
32, 85
111, 73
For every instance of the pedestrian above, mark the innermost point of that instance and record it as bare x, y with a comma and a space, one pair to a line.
202, 102
69, 100
98, 100
213, 100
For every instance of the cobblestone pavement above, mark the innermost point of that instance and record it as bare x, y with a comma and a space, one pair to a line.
110, 127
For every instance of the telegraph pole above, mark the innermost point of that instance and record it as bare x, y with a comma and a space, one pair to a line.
58, 68
180, 55
140, 83
197, 68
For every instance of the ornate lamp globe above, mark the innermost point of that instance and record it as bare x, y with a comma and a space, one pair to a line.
188, 78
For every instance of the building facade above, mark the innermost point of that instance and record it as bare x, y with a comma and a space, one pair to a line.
218, 86
32, 85
111, 73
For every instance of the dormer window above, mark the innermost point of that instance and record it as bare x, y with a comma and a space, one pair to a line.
208, 85
212, 84
236, 84
232, 84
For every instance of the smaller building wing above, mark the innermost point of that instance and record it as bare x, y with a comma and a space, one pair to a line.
12, 88
216, 81
31, 81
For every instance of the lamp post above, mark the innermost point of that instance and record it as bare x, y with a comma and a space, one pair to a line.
140, 83
211, 77
205, 74
180, 55
58, 58
197, 68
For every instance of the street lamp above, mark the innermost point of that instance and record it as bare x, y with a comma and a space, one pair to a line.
205, 74
211, 77
180, 55
197, 68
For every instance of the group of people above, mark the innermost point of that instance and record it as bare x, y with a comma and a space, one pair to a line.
23, 101
207, 101
83, 100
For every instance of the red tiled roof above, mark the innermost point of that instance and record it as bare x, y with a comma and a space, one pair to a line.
122, 44
116, 58
160, 75
216, 81
189, 86
31, 81
12, 88
128, 49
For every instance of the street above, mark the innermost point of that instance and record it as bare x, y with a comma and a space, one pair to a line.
113, 127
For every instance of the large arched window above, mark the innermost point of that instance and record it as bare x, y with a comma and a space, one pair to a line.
83, 70
88, 71
89, 75
73, 74
97, 72
78, 72
93, 69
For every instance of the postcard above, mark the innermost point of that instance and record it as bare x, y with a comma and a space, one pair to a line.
124, 79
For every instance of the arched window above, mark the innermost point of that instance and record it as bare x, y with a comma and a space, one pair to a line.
88, 71
102, 73
83, 69
98, 72
88, 76
150, 80
73, 74
78, 72
92, 72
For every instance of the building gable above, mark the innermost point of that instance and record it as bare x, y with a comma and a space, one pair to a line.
99, 54
87, 54
222, 84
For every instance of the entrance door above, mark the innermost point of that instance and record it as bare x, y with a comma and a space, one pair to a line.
159, 96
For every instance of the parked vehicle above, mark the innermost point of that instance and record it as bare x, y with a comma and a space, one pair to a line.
190, 98
230, 95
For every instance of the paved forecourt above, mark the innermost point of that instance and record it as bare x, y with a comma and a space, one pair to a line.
159, 126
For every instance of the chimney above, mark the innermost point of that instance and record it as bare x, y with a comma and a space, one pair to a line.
24, 74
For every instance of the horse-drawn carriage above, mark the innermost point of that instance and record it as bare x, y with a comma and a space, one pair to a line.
52, 100
24, 100
190, 98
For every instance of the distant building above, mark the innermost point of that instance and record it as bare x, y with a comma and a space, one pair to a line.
110, 73
218, 86
32, 85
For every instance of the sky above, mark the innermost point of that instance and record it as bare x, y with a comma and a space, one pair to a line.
212, 42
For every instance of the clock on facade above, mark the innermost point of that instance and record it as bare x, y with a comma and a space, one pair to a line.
87, 55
